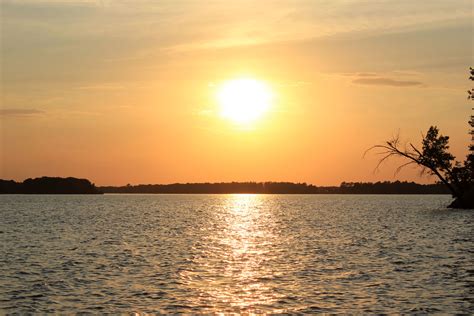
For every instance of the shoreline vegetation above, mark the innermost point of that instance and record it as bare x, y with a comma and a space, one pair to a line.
281, 188
55, 185
49, 185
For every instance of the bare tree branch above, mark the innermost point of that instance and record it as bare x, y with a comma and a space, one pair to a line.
415, 156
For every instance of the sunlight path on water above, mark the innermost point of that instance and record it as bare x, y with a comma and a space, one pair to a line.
237, 255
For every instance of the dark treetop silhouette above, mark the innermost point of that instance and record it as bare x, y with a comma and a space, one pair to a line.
49, 185
435, 159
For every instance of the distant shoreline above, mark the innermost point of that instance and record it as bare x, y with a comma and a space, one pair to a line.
49, 185
55, 185
277, 188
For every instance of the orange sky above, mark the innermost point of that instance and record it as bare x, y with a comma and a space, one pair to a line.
125, 91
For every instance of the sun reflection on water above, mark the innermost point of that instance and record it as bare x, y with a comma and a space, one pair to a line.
233, 267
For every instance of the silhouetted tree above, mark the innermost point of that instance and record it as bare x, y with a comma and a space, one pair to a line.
471, 92
49, 185
471, 121
435, 158
463, 175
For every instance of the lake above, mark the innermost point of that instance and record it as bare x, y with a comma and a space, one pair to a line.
235, 253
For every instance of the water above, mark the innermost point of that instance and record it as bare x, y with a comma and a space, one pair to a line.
235, 253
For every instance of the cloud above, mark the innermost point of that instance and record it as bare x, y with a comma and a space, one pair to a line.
20, 112
102, 87
387, 82
367, 74
227, 23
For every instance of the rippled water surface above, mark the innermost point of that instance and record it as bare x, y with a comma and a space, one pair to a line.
235, 253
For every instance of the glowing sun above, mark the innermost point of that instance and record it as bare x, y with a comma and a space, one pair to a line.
244, 100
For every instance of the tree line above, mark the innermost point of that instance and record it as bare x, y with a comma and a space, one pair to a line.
396, 187
50, 185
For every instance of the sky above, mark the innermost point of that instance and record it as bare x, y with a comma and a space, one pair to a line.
121, 91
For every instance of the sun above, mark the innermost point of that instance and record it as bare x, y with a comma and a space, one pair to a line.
244, 100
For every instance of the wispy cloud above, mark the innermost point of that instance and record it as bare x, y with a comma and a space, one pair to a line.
20, 112
225, 23
102, 87
367, 74
386, 82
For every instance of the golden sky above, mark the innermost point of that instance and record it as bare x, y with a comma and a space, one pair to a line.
122, 91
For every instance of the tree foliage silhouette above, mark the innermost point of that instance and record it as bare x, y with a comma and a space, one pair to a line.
434, 157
